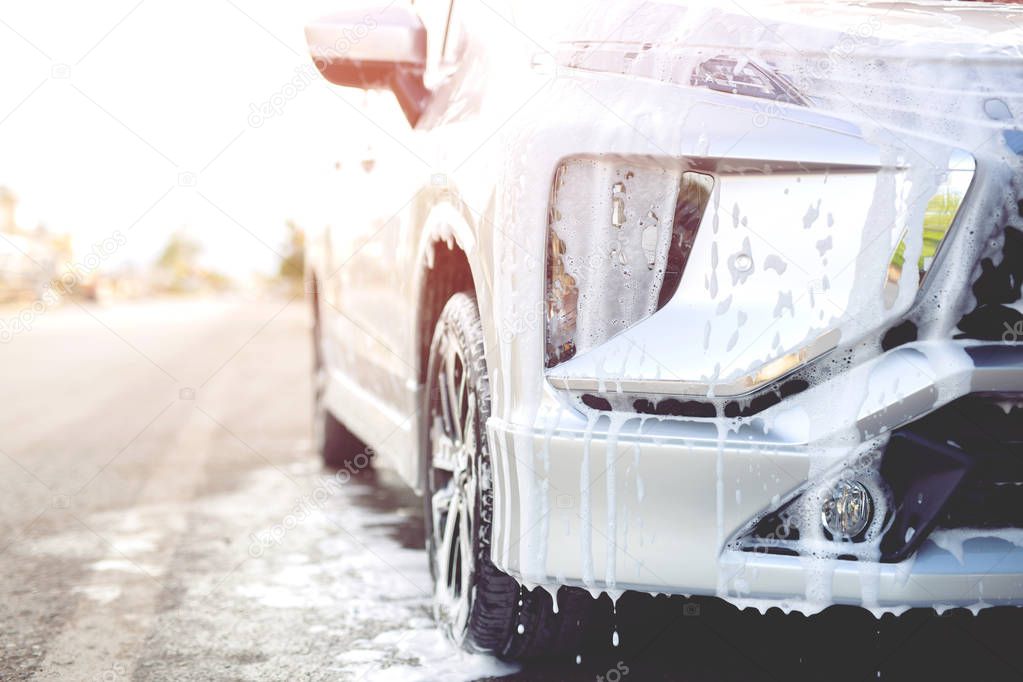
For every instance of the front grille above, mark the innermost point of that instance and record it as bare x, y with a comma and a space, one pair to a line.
961, 466
997, 287
991, 495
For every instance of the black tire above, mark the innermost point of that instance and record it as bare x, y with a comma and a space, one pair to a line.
479, 607
338, 447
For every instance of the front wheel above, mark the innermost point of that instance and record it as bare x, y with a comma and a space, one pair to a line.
479, 607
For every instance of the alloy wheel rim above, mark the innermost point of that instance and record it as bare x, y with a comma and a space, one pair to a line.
453, 486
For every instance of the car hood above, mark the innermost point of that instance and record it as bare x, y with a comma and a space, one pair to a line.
940, 72
808, 25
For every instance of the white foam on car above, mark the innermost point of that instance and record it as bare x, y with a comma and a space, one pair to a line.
884, 86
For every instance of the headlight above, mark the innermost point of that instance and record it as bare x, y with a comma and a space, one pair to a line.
620, 231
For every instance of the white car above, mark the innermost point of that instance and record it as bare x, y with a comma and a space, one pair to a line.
688, 298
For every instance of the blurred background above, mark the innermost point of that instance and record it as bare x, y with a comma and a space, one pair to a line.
162, 513
157, 148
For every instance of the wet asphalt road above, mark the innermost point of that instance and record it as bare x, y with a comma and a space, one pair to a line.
163, 518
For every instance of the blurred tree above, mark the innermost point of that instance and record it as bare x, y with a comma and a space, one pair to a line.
180, 255
293, 262
179, 261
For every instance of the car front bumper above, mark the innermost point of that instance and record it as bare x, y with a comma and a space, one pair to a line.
611, 501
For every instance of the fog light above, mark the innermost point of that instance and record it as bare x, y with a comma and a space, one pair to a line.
847, 510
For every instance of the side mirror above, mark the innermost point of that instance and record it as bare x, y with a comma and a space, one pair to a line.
380, 48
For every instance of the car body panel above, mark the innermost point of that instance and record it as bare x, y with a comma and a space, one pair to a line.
827, 188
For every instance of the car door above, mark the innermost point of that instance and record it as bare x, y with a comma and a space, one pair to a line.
373, 245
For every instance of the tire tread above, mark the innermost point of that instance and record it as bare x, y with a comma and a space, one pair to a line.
496, 611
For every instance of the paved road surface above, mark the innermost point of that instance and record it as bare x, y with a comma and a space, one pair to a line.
162, 518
